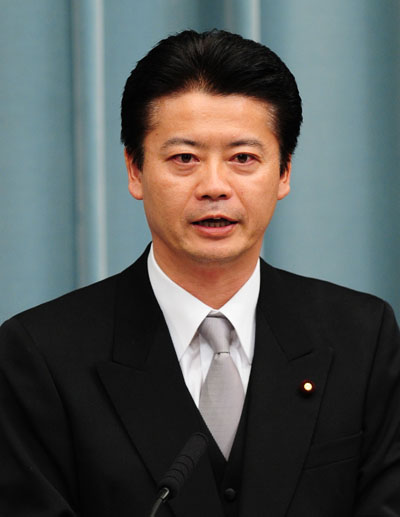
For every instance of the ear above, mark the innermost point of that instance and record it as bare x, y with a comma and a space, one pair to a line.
134, 177
284, 181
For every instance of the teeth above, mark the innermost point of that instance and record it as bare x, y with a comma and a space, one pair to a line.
215, 223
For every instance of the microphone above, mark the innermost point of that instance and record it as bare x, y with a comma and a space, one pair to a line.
180, 470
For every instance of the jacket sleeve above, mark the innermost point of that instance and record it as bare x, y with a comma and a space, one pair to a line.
379, 481
37, 460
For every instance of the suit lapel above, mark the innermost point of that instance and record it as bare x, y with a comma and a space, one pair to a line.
281, 417
146, 386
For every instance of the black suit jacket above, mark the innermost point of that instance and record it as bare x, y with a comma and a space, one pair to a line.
94, 407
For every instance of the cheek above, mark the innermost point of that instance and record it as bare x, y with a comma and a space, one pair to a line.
163, 203
261, 199
260, 212
169, 193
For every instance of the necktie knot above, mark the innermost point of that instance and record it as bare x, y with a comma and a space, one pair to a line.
217, 331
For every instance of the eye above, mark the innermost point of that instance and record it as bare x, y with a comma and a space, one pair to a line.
183, 158
244, 158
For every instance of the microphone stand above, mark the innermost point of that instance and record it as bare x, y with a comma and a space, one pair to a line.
162, 496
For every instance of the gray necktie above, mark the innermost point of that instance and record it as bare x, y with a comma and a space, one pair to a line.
222, 395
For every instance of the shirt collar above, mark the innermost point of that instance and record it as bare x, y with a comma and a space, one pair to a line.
183, 312
241, 312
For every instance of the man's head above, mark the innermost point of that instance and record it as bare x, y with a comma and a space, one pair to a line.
215, 62
209, 123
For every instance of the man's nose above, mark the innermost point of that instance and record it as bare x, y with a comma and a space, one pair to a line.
213, 182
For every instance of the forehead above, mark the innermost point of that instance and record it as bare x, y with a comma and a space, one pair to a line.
198, 110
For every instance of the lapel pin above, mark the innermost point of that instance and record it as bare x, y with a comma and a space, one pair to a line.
307, 387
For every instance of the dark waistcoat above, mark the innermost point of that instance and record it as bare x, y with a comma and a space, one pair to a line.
228, 474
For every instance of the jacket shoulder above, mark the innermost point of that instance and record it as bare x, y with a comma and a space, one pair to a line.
297, 303
79, 303
82, 316
322, 293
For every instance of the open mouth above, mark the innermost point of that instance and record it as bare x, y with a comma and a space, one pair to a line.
214, 223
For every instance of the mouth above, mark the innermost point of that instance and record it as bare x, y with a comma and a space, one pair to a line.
214, 222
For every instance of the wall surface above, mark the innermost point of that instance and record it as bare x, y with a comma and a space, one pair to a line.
66, 218
37, 188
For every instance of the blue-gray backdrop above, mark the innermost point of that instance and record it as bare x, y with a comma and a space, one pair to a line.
66, 218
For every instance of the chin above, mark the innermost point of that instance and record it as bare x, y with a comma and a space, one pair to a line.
214, 256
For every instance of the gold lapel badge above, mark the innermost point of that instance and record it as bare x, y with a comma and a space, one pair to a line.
307, 387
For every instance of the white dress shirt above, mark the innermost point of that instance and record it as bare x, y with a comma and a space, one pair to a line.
184, 313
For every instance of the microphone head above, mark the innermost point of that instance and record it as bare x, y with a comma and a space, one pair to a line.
184, 464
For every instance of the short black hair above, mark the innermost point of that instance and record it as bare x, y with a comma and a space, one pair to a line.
216, 62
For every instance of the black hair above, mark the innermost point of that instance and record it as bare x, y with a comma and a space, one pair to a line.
216, 62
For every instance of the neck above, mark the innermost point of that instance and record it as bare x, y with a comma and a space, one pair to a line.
212, 283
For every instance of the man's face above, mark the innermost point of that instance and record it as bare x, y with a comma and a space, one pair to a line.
211, 178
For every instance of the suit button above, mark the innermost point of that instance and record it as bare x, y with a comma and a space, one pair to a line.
230, 494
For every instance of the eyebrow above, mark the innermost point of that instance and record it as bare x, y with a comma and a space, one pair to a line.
247, 142
179, 141
237, 143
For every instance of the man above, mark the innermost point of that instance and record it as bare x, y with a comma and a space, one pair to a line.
101, 388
